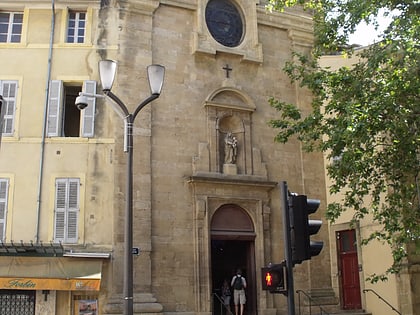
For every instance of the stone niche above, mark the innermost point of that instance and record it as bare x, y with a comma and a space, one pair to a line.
229, 117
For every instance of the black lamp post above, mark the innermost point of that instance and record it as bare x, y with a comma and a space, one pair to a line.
156, 73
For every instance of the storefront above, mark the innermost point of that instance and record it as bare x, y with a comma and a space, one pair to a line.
35, 285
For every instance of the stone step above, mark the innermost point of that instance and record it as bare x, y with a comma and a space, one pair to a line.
350, 312
335, 312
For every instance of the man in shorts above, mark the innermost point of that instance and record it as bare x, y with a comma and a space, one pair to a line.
239, 284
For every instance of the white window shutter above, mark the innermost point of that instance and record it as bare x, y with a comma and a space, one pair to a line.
55, 109
8, 89
4, 185
88, 114
66, 210
73, 211
60, 222
60, 210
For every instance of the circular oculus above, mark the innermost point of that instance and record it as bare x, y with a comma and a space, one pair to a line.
224, 22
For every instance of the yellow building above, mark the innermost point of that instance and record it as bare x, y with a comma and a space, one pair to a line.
50, 162
352, 264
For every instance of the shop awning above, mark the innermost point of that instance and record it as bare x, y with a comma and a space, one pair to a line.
50, 273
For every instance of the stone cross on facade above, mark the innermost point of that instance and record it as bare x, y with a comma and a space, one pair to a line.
227, 69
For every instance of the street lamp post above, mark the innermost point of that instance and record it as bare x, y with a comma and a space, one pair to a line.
2, 113
156, 73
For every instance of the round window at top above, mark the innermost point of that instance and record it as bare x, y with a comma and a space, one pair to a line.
224, 21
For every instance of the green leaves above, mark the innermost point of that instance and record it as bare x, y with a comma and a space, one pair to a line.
366, 117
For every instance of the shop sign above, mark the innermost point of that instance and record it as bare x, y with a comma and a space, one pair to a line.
50, 284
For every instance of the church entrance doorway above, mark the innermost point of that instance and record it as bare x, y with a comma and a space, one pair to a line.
232, 248
227, 257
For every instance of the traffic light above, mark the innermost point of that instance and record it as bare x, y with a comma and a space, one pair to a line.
272, 278
302, 228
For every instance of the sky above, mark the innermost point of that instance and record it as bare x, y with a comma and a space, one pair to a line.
366, 34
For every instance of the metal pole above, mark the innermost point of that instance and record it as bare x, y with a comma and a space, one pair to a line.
128, 224
128, 235
288, 250
1, 117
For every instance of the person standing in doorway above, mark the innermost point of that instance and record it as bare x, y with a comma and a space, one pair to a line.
239, 285
226, 293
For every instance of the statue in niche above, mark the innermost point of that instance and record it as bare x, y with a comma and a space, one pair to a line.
231, 148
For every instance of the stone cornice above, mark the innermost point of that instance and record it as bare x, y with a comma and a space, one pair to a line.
237, 180
146, 7
285, 20
41, 4
186, 4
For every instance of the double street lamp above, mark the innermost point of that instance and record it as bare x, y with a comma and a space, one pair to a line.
155, 74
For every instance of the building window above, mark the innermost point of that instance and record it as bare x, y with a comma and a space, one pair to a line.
224, 21
8, 89
64, 118
10, 27
66, 210
17, 302
76, 27
4, 189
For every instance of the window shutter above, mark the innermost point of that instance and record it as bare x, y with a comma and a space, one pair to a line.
60, 209
66, 210
54, 108
4, 184
88, 114
8, 89
73, 211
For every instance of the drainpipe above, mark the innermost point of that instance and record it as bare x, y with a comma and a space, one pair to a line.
44, 126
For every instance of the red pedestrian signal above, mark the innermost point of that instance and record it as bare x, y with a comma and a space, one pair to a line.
273, 278
268, 279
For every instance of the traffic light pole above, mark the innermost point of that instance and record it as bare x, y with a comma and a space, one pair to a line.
288, 250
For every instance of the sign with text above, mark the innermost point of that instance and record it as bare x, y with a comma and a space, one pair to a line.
50, 284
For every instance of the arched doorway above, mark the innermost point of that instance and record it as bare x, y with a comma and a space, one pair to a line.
232, 247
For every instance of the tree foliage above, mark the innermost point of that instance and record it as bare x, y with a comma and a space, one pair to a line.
366, 118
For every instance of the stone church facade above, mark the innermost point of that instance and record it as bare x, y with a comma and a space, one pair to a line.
207, 170
200, 214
